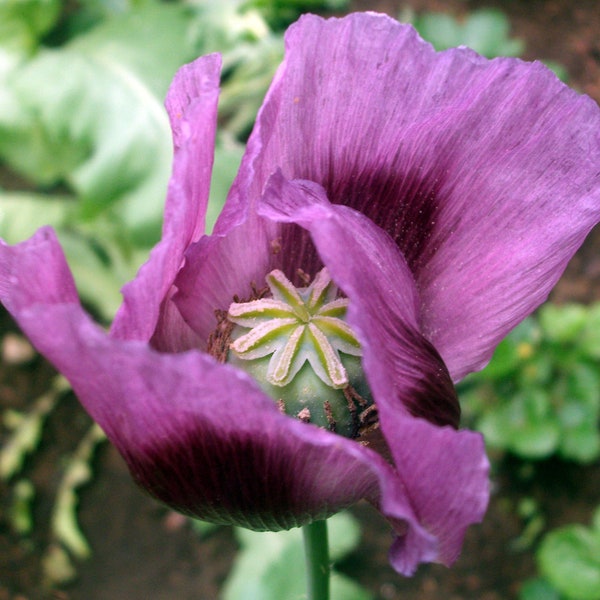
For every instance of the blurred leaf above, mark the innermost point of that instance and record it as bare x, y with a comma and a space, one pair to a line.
92, 12
100, 126
228, 155
562, 324
581, 443
222, 26
487, 31
522, 424
27, 430
540, 394
248, 70
583, 383
579, 412
23, 22
569, 558
99, 266
20, 513
589, 341
22, 213
280, 13
101, 260
77, 472
57, 566
270, 566
152, 42
203, 528
559, 70
538, 589
519, 346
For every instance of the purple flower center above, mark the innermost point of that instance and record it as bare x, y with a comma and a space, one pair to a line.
302, 352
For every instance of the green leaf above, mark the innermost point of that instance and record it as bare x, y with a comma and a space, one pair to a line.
583, 384
101, 260
486, 31
99, 125
441, 29
228, 155
569, 559
538, 589
22, 213
520, 345
100, 269
596, 520
522, 424
248, 70
23, 22
78, 471
270, 566
151, 41
562, 324
581, 443
280, 13
589, 342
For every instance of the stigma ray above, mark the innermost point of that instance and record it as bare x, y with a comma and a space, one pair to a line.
297, 325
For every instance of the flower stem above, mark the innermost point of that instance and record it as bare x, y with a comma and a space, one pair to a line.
316, 552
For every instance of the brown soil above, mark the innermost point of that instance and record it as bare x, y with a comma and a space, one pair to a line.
141, 551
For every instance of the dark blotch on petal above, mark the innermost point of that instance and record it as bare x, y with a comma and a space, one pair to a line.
242, 480
434, 396
405, 204
297, 252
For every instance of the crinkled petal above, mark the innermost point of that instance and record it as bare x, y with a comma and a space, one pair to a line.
192, 107
220, 267
485, 173
387, 313
199, 436
444, 471
39, 274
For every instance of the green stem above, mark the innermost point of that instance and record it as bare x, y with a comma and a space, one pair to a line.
316, 553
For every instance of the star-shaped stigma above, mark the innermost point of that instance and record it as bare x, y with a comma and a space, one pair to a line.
297, 325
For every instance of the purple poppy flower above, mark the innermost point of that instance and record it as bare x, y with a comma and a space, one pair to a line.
442, 193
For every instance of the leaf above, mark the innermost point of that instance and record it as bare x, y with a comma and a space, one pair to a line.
569, 559
522, 424
22, 213
228, 155
99, 267
520, 345
100, 126
562, 324
23, 22
486, 31
100, 259
27, 430
20, 512
538, 589
589, 342
248, 70
581, 443
77, 472
270, 566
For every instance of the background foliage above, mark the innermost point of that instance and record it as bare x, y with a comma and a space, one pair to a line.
85, 147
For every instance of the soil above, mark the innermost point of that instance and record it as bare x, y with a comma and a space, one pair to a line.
141, 550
